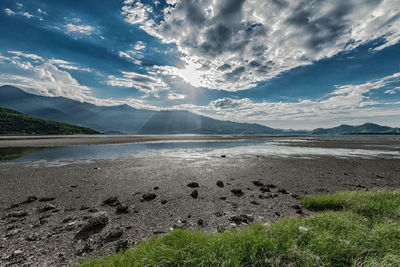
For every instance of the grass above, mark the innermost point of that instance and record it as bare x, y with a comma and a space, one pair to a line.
350, 229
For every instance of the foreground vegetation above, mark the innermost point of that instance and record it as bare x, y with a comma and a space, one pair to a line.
350, 229
13, 122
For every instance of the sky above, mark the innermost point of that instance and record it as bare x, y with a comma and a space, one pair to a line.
294, 64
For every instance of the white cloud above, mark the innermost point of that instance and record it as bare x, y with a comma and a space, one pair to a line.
82, 29
40, 11
9, 11
233, 44
27, 14
347, 103
175, 96
68, 65
30, 56
139, 45
142, 82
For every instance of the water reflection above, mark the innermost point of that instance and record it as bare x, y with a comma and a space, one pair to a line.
186, 149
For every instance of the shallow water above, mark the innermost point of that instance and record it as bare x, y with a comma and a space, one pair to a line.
194, 149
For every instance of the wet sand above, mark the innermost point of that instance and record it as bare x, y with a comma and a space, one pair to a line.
32, 235
51, 141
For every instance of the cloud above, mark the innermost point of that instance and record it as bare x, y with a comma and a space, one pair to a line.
68, 65
260, 39
46, 78
82, 29
175, 96
345, 103
30, 56
142, 82
9, 12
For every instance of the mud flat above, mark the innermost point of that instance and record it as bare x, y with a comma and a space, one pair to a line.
59, 215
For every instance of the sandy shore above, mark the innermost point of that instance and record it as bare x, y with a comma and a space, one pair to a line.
44, 233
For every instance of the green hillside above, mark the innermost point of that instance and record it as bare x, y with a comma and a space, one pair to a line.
13, 122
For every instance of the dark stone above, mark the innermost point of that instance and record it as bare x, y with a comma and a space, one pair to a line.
193, 185
94, 225
30, 199
122, 245
223, 156
243, 218
360, 186
18, 214
122, 209
194, 194
379, 176
114, 234
258, 183
13, 206
148, 196
271, 185
296, 207
111, 201
283, 191
156, 188
220, 184
237, 192
47, 207
163, 202
45, 199
222, 198
200, 222
84, 208
277, 213
254, 203
265, 189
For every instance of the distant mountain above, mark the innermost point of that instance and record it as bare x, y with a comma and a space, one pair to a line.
367, 128
121, 119
13, 122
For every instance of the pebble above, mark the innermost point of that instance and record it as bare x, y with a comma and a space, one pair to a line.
18, 214
258, 183
194, 194
122, 209
45, 199
193, 185
148, 196
95, 224
163, 202
237, 192
220, 184
114, 234
265, 189
283, 191
243, 218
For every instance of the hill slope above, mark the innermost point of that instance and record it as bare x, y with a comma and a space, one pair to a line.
13, 122
366, 128
121, 119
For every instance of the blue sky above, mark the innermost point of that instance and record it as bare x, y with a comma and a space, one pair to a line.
285, 64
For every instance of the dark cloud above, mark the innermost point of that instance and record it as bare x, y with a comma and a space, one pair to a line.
230, 10
235, 74
224, 67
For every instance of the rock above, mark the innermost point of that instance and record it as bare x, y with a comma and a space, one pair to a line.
277, 213
95, 224
296, 207
122, 245
237, 192
265, 189
156, 188
271, 185
13, 206
114, 234
220, 184
193, 185
258, 183
303, 229
283, 191
111, 201
360, 186
18, 214
200, 222
379, 176
84, 208
148, 196
163, 202
254, 202
47, 207
194, 194
223, 156
46, 199
299, 211
296, 196
243, 218
122, 209
222, 198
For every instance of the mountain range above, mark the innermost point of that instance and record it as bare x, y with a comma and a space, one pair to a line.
125, 119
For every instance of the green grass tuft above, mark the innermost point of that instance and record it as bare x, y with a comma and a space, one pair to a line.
355, 229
